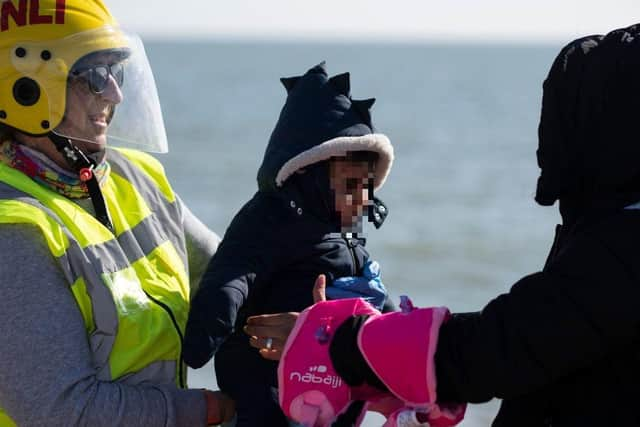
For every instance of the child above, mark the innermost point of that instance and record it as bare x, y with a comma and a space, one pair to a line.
316, 183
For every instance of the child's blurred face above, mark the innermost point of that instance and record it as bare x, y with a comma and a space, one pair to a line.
350, 181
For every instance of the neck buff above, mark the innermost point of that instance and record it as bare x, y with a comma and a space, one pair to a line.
46, 172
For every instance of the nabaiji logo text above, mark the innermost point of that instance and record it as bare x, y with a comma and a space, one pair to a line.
27, 12
317, 375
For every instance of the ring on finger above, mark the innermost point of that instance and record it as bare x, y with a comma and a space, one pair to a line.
268, 343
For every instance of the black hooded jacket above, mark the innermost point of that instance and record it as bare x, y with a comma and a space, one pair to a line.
285, 236
562, 348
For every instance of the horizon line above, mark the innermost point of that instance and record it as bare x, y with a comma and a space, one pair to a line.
278, 38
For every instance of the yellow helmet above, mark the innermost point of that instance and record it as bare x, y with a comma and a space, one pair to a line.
40, 41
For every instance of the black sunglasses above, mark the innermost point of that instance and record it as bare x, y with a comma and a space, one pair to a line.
97, 77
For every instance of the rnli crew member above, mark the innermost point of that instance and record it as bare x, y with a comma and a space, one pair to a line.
98, 253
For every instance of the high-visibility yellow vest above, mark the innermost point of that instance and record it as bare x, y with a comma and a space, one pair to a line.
138, 277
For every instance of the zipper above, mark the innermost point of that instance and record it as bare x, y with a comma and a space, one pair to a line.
175, 324
354, 258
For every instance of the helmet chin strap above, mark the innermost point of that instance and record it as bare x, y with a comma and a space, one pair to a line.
83, 165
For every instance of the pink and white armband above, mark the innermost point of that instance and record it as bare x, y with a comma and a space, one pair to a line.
399, 348
310, 390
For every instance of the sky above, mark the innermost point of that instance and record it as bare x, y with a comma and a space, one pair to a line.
379, 20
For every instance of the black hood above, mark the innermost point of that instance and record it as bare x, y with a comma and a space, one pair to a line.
310, 191
318, 121
589, 133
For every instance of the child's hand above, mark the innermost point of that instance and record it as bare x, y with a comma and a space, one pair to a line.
368, 286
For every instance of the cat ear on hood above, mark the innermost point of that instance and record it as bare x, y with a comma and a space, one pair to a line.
341, 84
363, 106
321, 68
289, 82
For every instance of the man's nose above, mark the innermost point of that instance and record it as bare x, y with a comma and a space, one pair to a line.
112, 92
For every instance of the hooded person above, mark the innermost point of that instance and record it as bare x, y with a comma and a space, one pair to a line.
561, 347
323, 163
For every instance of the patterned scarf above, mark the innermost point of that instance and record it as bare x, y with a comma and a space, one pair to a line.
44, 171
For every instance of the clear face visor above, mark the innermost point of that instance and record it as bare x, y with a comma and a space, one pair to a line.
137, 121
106, 97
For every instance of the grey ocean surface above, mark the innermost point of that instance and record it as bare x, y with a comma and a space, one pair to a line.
463, 225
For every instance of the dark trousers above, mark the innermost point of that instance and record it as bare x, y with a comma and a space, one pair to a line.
251, 381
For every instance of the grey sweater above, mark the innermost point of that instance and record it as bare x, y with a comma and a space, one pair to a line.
46, 372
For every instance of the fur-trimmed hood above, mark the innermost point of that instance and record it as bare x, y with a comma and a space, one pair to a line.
318, 121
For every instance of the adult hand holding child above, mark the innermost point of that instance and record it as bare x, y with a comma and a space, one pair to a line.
275, 328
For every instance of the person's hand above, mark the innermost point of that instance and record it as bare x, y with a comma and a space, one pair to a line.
269, 332
220, 407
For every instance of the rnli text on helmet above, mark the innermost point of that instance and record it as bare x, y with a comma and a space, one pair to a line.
28, 13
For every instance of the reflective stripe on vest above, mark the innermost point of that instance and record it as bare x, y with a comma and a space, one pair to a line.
132, 288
